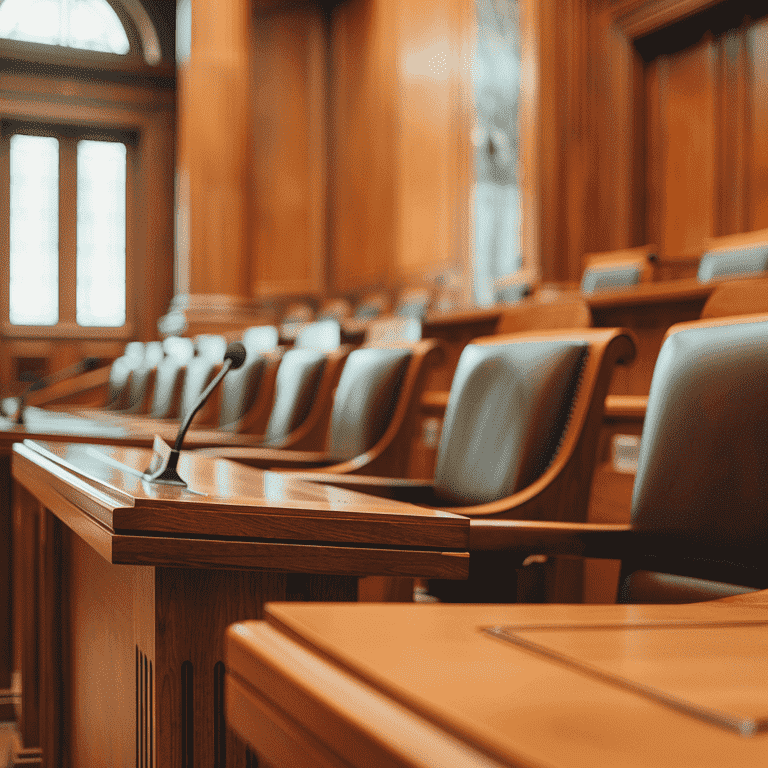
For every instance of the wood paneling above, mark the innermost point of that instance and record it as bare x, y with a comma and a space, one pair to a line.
287, 156
363, 145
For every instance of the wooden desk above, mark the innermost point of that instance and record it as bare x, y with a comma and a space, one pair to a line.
130, 587
419, 685
48, 425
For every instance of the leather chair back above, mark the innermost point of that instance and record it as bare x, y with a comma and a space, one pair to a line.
169, 377
737, 261
335, 309
414, 303
297, 380
393, 329
323, 335
702, 476
617, 269
371, 306
118, 384
507, 410
365, 399
143, 379
241, 387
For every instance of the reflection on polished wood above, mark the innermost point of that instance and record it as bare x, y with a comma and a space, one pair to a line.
129, 587
577, 685
46, 425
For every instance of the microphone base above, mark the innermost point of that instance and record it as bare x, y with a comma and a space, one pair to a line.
162, 471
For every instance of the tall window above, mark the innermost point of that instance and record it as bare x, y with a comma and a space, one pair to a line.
495, 138
48, 233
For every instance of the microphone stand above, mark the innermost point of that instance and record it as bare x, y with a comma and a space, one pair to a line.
163, 469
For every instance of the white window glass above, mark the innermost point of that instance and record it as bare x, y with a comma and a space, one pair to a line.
34, 226
88, 24
496, 197
101, 227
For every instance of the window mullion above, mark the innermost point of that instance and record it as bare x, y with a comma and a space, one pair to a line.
68, 231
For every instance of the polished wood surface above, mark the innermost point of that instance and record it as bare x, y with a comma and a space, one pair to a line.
52, 426
592, 685
128, 587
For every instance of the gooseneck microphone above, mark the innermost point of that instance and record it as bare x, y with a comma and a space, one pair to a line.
234, 357
84, 366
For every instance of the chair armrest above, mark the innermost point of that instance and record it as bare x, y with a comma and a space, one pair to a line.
412, 491
266, 458
612, 541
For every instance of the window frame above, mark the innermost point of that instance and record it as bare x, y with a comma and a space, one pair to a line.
146, 114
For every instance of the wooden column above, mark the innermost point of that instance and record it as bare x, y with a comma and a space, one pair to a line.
212, 253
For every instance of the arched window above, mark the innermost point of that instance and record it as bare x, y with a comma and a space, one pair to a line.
86, 180
104, 26
88, 24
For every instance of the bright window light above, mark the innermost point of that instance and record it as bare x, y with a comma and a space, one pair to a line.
34, 226
86, 24
101, 227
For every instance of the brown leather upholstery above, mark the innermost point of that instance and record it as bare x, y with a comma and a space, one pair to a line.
617, 269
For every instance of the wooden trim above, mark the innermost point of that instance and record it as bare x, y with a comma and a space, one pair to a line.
637, 18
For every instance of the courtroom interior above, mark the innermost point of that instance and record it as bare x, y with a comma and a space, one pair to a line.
383, 383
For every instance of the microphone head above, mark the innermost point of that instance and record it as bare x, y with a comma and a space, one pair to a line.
235, 354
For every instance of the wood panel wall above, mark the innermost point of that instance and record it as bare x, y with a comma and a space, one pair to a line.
650, 128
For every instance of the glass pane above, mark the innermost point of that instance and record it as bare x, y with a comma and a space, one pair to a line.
34, 225
88, 24
101, 233
496, 136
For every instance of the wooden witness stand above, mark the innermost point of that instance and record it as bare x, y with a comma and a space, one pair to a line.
130, 586
413, 686
47, 425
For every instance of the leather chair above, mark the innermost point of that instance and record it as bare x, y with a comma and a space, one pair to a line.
373, 418
617, 269
335, 309
371, 306
253, 381
699, 525
513, 288
142, 380
414, 302
519, 437
322, 335
388, 330
741, 254
169, 378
